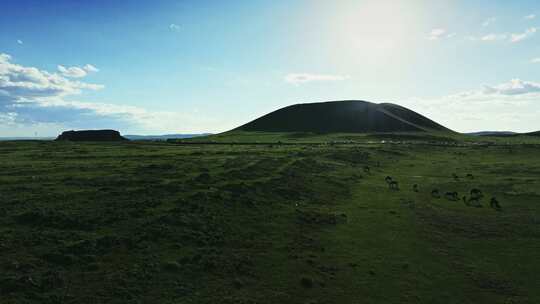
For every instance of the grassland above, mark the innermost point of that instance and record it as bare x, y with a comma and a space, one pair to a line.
268, 223
445, 138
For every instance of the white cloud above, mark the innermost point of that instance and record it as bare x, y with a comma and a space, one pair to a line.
21, 86
77, 72
513, 87
440, 33
4, 58
522, 36
494, 37
90, 68
19, 41
530, 17
508, 106
489, 21
73, 72
300, 78
174, 27
32, 99
436, 34
535, 60
514, 38
20, 82
8, 118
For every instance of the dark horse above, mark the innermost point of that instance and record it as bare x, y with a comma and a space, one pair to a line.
476, 193
393, 185
494, 203
453, 196
472, 201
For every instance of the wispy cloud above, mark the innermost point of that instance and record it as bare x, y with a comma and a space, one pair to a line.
494, 37
8, 118
530, 17
440, 33
535, 60
300, 78
90, 68
513, 87
517, 37
437, 34
20, 42
513, 37
489, 21
77, 72
174, 27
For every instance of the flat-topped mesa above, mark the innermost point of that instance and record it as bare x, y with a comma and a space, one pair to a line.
91, 135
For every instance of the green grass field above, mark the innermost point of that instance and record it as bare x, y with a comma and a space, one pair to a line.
144, 222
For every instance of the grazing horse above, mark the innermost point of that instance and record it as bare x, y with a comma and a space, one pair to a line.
388, 179
393, 185
366, 169
472, 201
469, 175
415, 188
453, 196
435, 193
494, 203
477, 194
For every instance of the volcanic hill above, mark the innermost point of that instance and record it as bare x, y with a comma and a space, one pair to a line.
348, 116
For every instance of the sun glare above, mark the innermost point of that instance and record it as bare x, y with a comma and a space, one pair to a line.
377, 30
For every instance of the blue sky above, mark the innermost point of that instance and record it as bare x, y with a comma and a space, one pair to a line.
152, 67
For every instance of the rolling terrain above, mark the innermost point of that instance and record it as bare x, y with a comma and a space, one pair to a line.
379, 205
151, 222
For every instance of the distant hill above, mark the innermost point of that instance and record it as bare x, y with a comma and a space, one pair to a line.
493, 133
503, 134
164, 137
349, 116
91, 135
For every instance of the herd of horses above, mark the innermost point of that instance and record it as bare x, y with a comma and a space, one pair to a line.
473, 200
